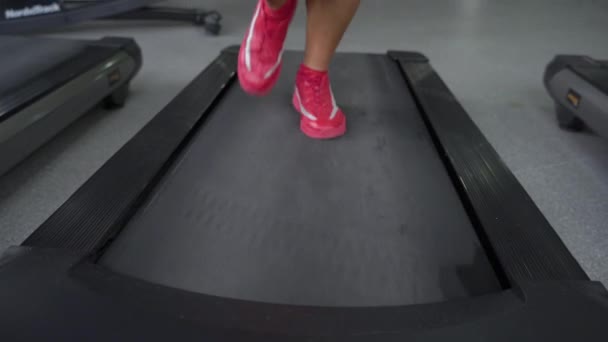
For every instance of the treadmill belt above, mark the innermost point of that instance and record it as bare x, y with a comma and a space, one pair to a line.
252, 209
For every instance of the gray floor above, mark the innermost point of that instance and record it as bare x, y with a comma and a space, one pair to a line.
490, 52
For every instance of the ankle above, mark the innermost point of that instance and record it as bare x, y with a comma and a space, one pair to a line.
275, 4
314, 67
308, 74
305, 70
279, 8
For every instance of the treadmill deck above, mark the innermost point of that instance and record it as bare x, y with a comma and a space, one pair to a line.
77, 278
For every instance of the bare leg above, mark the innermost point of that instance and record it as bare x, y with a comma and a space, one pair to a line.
274, 4
326, 23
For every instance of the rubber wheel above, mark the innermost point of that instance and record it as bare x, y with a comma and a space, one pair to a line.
118, 97
214, 29
210, 21
567, 120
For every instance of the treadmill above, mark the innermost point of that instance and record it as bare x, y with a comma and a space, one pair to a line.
26, 17
221, 221
579, 87
46, 84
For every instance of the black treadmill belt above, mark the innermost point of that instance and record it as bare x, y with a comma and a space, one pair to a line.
255, 210
29, 57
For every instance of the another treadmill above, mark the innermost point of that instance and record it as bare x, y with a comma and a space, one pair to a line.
579, 86
46, 84
25, 16
221, 221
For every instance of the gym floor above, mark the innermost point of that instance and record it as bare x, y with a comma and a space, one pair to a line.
491, 53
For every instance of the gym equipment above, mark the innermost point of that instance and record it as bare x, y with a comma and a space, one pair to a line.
579, 86
46, 84
23, 17
221, 221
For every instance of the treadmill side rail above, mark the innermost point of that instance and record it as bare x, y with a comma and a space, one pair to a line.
94, 53
524, 244
98, 209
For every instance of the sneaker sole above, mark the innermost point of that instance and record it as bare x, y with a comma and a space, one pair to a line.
318, 133
256, 88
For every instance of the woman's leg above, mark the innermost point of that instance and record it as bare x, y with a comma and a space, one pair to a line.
274, 4
326, 23
321, 118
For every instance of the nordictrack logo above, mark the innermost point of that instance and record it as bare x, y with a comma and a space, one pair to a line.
11, 13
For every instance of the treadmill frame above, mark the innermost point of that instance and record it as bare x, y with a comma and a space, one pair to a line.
34, 112
579, 88
110, 9
546, 293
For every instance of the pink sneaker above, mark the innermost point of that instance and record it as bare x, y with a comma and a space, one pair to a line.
260, 55
321, 118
